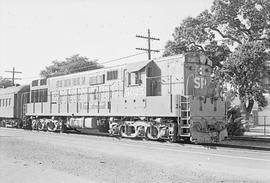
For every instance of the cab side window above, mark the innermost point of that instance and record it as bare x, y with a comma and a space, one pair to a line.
134, 78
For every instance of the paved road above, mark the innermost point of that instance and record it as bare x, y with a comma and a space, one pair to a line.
29, 156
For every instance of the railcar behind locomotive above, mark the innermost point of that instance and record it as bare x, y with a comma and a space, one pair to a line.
171, 98
12, 105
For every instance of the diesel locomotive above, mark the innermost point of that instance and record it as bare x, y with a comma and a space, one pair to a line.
172, 98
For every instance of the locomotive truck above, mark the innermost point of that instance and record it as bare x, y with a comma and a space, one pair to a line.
172, 98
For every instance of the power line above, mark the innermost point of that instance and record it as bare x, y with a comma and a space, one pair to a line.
121, 58
93, 66
105, 62
149, 38
13, 75
110, 61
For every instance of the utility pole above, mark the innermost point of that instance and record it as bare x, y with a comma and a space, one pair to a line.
149, 38
13, 75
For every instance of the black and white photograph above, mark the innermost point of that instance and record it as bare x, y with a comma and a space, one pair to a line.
134, 91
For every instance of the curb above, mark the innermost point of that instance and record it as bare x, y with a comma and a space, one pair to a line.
238, 146
258, 139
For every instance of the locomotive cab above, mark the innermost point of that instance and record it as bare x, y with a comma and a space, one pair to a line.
143, 78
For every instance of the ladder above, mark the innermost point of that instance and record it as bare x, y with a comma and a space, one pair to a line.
24, 109
184, 111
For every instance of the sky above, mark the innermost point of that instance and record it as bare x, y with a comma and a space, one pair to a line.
33, 33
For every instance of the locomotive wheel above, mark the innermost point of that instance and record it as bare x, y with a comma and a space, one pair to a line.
153, 136
34, 125
122, 131
52, 126
39, 126
114, 130
154, 132
147, 132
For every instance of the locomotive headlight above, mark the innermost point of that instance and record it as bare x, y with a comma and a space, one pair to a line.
200, 71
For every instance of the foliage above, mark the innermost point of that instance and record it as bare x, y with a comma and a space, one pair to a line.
73, 64
243, 70
235, 127
214, 31
233, 33
229, 97
4, 83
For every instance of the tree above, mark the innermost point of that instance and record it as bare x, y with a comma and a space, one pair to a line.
233, 34
73, 64
4, 83
193, 35
243, 70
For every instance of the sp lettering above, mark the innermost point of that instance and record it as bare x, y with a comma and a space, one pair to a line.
199, 82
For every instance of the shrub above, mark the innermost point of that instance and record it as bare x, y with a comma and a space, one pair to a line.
235, 126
